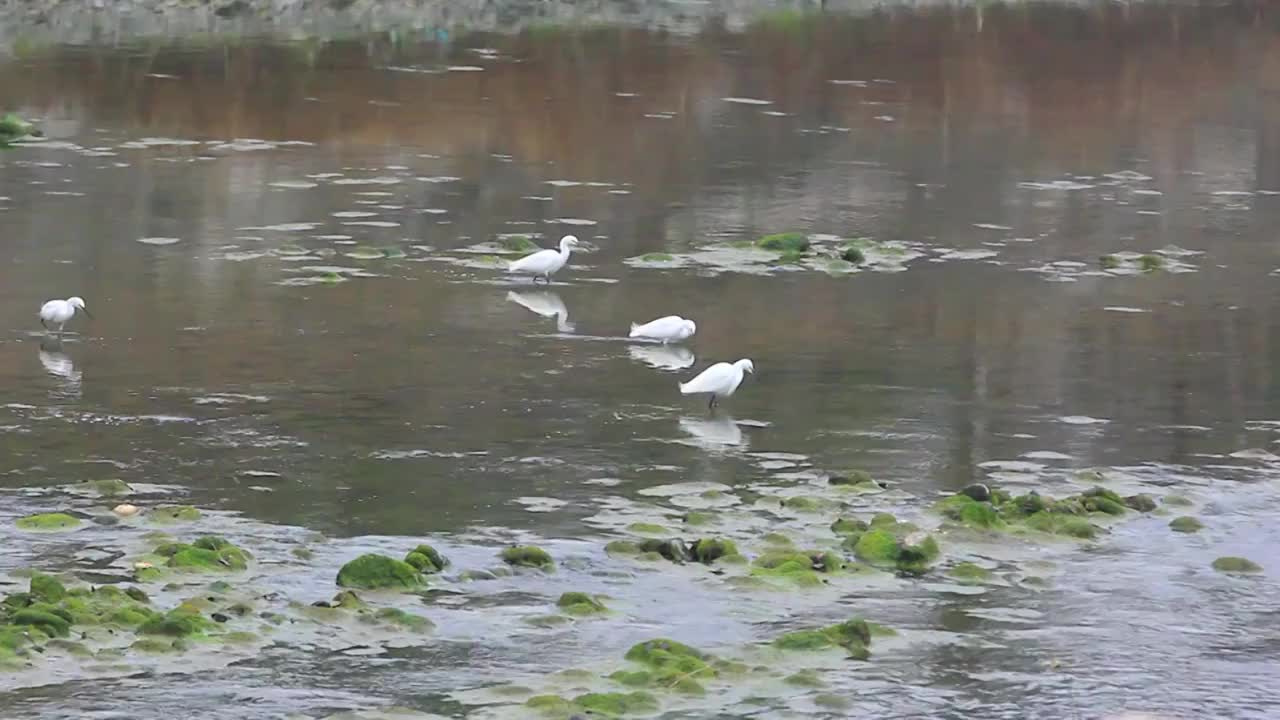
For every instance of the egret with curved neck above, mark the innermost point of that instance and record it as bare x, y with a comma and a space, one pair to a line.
719, 380
545, 263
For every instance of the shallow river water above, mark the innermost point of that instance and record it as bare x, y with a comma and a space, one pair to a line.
292, 252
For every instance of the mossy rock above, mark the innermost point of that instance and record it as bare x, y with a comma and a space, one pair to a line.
776, 538
622, 547
180, 622
970, 512
1150, 263
550, 705
616, 704
13, 127
426, 560
673, 549
969, 573
1186, 524
642, 528
46, 618
849, 526
853, 254
110, 487
1235, 565
528, 556
673, 665
709, 550
379, 572
522, 244
807, 504
1063, 524
210, 553
1141, 502
1176, 501
173, 514
787, 242
400, 618
803, 568
698, 518
579, 603
878, 547
831, 701
48, 522
1108, 262
46, 588
852, 635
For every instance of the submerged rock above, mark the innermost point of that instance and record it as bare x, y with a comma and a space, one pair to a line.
1141, 502
616, 704
400, 618
528, 556
1185, 524
1231, 564
622, 547
378, 572
889, 544
110, 487
181, 622
969, 573
852, 635
579, 603
172, 514
787, 242
977, 491
210, 553
708, 550
674, 549
48, 522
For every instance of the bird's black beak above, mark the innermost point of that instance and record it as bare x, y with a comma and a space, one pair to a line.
86, 312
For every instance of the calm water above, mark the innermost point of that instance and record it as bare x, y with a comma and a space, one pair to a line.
425, 395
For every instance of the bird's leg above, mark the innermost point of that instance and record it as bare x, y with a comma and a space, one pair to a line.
45, 324
711, 404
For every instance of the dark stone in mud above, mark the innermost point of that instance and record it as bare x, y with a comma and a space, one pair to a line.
708, 550
977, 491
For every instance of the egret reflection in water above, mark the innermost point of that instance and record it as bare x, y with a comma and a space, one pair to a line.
546, 303
59, 364
663, 357
714, 433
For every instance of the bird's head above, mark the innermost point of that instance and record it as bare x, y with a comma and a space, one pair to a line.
568, 241
690, 327
78, 303
746, 366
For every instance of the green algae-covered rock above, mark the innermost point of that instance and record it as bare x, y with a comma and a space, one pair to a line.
698, 518
550, 705
180, 622
48, 522
1186, 524
13, 128
622, 547
708, 550
209, 553
616, 704
878, 547
855, 480
1176, 501
848, 526
378, 572
158, 645
579, 603
49, 620
673, 549
787, 242
1236, 565
401, 618
969, 573
1099, 499
852, 635
807, 678
1062, 524
1141, 502
522, 244
426, 560
673, 665
173, 514
969, 512
644, 528
528, 556
45, 588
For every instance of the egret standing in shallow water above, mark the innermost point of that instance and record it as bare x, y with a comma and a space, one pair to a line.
669, 329
545, 262
719, 380
58, 312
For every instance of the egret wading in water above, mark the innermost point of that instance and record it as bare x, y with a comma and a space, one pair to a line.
719, 380
545, 263
669, 329
58, 312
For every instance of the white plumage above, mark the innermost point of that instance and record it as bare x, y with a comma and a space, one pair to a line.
671, 328
545, 263
719, 380
58, 312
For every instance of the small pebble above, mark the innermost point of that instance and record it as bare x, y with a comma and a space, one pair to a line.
125, 510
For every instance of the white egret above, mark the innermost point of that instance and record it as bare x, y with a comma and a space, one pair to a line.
719, 380
669, 329
546, 304
58, 312
545, 262
663, 357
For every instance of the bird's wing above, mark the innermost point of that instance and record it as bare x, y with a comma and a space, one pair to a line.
48, 307
534, 263
713, 379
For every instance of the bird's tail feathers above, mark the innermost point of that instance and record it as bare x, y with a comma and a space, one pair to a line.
682, 386
634, 328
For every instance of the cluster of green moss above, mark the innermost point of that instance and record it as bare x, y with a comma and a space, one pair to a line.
887, 543
426, 560
1065, 516
209, 553
801, 567
379, 572
668, 665
852, 635
703, 550
528, 556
